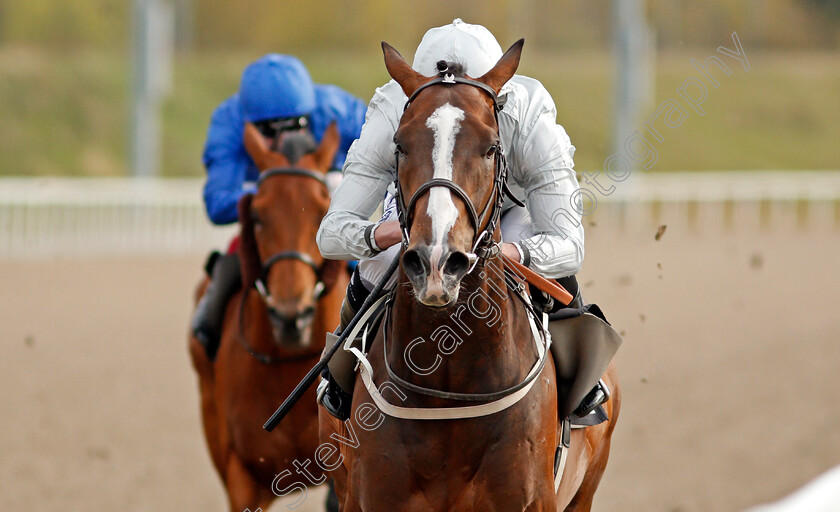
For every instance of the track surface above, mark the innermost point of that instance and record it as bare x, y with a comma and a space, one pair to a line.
729, 368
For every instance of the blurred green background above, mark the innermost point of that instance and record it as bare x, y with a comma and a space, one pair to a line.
65, 73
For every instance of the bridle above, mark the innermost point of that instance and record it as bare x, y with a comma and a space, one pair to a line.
321, 289
483, 245
308, 314
265, 267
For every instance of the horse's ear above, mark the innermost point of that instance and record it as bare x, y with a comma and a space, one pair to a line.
249, 256
255, 145
505, 68
325, 154
257, 148
400, 71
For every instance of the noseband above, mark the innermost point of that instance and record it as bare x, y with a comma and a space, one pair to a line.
483, 244
262, 288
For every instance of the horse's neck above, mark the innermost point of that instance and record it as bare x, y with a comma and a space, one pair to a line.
482, 343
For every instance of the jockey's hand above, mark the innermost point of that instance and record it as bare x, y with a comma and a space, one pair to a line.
387, 234
512, 252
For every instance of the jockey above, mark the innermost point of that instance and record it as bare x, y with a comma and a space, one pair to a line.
277, 95
547, 237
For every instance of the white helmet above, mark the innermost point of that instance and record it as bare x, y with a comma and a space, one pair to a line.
471, 45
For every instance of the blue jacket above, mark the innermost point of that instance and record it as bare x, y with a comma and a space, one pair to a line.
230, 171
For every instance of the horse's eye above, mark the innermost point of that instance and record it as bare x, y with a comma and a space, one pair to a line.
399, 148
492, 151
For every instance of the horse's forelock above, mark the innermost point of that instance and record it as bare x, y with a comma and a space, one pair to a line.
450, 67
297, 144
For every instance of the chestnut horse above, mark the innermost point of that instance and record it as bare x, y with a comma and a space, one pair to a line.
274, 328
455, 408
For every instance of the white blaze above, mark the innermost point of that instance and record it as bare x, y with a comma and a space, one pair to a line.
445, 123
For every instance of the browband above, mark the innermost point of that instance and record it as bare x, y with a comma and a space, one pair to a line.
498, 101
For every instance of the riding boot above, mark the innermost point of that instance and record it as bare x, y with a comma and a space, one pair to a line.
571, 285
225, 279
600, 393
335, 392
597, 396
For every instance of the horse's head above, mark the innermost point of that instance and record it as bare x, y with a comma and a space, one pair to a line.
278, 226
449, 162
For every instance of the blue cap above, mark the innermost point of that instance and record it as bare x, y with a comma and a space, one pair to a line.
276, 86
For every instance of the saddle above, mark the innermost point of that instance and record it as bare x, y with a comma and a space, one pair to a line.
583, 344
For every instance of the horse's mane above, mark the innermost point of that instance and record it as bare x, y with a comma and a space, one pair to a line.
296, 144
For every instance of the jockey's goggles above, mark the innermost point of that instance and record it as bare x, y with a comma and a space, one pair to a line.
270, 128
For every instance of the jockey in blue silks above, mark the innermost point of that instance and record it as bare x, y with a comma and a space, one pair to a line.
277, 95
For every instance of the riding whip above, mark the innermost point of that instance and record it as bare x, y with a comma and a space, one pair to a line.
310, 377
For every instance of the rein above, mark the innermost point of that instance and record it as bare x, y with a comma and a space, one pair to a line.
518, 290
484, 246
498, 401
260, 283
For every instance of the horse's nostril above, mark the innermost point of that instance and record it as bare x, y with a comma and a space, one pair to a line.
290, 326
457, 265
413, 263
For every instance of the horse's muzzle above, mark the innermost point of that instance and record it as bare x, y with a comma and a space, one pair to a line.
436, 273
292, 329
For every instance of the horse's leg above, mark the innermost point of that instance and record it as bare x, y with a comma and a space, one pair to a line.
265, 500
331, 504
207, 395
598, 439
210, 419
327, 425
582, 501
241, 488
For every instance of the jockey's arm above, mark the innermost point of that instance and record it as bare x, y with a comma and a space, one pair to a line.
227, 164
543, 156
346, 231
542, 165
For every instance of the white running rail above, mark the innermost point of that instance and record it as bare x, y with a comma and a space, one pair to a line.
50, 217
77, 217
726, 186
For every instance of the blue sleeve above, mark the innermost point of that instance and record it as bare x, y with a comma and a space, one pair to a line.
336, 104
226, 162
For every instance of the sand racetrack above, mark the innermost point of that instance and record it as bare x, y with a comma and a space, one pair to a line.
730, 372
